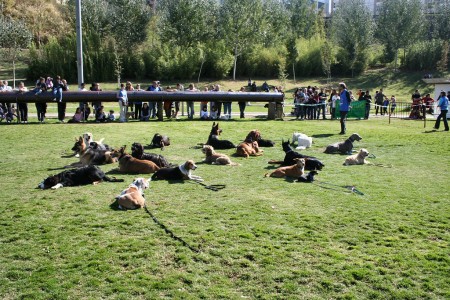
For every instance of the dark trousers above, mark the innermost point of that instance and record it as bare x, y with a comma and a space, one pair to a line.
41, 109
378, 106
367, 111
23, 111
343, 118
137, 111
321, 109
443, 115
242, 106
61, 110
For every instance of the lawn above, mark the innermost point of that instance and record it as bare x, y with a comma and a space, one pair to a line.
259, 238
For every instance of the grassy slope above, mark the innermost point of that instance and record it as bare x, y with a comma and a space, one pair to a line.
259, 238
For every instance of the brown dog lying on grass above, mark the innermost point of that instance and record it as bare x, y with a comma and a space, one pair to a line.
129, 164
247, 149
294, 171
214, 158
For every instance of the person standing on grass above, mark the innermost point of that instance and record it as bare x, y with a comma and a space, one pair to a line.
443, 105
22, 106
344, 107
123, 102
379, 97
242, 105
152, 104
190, 104
138, 104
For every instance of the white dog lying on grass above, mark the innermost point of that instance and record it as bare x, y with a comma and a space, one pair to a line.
303, 141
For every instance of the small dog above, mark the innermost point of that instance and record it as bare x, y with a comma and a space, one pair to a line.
182, 172
214, 158
129, 164
303, 141
160, 141
295, 171
357, 159
213, 139
137, 151
307, 178
247, 149
133, 196
81, 176
345, 147
255, 135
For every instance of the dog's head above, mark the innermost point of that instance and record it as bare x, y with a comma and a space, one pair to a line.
286, 146
253, 135
137, 150
88, 138
49, 182
208, 150
190, 165
355, 137
141, 183
79, 145
295, 136
215, 130
119, 153
363, 153
300, 162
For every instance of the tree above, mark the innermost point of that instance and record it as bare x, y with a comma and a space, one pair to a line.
14, 36
399, 24
291, 46
240, 23
188, 22
302, 15
352, 28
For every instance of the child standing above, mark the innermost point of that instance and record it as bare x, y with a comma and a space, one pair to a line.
393, 104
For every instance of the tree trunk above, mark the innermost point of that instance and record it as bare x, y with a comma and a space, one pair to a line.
396, 59
235, 62
14, 74
293, 70
200, 72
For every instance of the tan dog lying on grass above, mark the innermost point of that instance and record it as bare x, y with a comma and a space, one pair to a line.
295, 171
214, 158
133, 196
247, 149
358, 158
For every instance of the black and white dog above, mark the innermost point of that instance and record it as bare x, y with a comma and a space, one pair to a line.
213, 139
182, 172
311, 163
137, 151
74, 177
345, 147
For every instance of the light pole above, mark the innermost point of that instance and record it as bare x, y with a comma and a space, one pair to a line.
79, 43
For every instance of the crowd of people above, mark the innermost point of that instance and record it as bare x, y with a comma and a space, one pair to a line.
310, 103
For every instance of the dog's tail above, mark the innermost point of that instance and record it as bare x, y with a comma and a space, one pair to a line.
275, 162
234, 164
112, 179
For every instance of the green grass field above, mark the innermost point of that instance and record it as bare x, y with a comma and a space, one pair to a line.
259, 238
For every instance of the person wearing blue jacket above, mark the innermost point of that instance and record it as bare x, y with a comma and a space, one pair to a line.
443, 105
344, 105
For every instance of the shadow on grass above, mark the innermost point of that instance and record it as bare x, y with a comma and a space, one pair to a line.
324, 135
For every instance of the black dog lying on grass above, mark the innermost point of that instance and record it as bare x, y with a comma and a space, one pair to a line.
74, 177
311, 163
137, 151
307, 177
345, 147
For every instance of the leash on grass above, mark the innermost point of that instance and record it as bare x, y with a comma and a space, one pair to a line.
377, 164
348, 188
170, 232
212, 187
